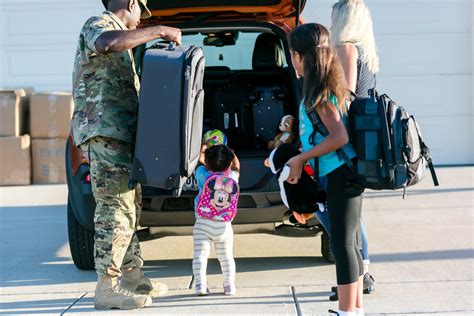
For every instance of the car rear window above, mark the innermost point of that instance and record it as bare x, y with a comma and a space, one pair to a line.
236, 57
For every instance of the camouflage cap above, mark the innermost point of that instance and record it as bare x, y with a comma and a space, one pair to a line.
145, 11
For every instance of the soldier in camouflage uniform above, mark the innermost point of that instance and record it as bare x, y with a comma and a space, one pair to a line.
105, 89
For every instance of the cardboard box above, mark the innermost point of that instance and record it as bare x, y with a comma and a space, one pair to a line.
50, 115
49, 165
15, 160
13, 108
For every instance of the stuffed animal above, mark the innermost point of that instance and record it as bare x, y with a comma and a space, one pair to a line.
288, 133
306, 196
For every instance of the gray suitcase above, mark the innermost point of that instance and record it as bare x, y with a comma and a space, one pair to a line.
170, 117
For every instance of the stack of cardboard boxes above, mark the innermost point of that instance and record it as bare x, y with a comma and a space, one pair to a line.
33, 138
50, 116
15, 158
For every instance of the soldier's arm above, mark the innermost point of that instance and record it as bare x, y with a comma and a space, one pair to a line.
120, 40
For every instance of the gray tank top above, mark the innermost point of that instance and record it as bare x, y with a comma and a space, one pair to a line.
365, 78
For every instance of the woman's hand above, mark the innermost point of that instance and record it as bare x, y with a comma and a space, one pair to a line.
296, 168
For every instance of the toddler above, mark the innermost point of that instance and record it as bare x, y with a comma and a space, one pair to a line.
216, 205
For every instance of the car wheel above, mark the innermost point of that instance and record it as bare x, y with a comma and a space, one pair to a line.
326, 248
81, 242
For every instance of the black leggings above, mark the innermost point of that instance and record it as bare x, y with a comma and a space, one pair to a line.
344, 208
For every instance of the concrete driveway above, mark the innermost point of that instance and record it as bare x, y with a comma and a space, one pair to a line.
421, 250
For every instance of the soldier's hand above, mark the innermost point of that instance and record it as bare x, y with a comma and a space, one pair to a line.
172, 34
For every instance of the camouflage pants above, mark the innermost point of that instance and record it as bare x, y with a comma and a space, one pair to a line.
116, 244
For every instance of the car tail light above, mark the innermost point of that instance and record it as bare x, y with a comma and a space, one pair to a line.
88, 178
77, 157
84, 159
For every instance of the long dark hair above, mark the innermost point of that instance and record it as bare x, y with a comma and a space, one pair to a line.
323, 74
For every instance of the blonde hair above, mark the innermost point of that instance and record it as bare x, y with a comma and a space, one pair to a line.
351, 22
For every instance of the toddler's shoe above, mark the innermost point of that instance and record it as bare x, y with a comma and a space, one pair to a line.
202, 290
230, 290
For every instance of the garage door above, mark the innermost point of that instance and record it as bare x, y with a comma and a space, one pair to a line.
425, 48
38, 41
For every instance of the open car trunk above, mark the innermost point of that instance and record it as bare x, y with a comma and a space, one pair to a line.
247, 105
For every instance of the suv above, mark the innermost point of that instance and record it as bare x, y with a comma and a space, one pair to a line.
239, 52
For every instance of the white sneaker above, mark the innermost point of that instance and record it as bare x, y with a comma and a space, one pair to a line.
201, 290
230, 290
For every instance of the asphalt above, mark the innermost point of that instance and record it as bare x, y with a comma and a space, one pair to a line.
421, 248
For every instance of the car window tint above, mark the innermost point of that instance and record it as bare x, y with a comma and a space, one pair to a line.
236, 57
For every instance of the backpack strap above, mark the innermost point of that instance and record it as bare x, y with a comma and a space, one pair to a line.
425, 152
318, 126
386, 137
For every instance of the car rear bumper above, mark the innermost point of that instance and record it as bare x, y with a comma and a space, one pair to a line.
255, 208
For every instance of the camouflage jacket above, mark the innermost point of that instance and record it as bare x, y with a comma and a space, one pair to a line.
105, 86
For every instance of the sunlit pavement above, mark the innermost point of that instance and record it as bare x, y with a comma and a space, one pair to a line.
421, 251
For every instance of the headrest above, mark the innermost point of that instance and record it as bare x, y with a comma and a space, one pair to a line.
268, 52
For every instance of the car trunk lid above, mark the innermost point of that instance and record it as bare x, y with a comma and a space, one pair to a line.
181, 11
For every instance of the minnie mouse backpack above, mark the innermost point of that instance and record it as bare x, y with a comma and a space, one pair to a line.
218, 199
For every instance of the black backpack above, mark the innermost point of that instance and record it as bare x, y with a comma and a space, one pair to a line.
391, 153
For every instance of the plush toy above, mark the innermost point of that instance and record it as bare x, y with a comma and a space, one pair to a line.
214, 137
303, 198
288, 134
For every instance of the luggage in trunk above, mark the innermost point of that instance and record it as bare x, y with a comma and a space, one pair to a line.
268, 109
170, 117
232, 114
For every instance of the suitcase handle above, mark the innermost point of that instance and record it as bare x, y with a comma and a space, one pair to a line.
171, 46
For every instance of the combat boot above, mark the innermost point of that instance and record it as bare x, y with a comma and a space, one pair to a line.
134, 280
110, 295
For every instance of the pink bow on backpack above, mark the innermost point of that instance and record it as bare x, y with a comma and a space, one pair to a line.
228, 187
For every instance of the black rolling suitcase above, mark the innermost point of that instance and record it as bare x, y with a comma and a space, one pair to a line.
170, 117
268, 109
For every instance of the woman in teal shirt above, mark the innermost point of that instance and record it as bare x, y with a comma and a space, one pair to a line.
325, 91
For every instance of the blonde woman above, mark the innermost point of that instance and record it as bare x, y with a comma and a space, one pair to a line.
353, 36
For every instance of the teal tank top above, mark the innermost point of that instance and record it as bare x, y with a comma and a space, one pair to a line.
330, 161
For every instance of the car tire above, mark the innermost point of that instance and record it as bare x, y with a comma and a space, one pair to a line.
326, 248
81, 242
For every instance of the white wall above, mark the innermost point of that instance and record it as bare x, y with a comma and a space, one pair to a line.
38, 41
425, 48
